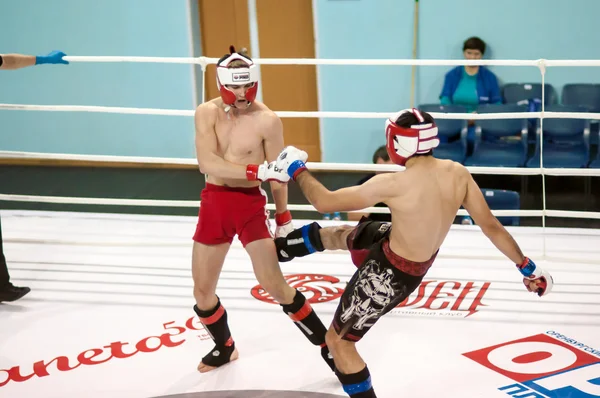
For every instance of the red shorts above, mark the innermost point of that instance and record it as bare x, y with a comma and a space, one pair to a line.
225, 212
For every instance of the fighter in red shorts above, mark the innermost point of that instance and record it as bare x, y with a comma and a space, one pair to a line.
392, 258
235, 134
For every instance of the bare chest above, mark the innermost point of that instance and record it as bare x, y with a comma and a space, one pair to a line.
240, 138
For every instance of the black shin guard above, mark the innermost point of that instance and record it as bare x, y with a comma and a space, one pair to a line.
309, 324
299, 243
306, 319
357, 385
215, 323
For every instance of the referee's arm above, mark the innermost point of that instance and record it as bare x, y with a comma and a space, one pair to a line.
16, 61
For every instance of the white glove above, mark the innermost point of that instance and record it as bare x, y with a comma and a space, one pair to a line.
284, 224
536, 280
266, 172
291, 161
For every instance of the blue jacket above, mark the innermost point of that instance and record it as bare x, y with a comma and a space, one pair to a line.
487, 85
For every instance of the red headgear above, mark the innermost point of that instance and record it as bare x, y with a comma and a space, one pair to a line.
236, 76
404, 142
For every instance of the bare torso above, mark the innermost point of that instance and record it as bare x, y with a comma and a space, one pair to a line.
423, 213
239, 138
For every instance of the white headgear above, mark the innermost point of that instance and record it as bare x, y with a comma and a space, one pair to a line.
236, 76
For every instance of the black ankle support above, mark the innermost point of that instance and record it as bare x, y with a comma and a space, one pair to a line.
220, 355
357, 385
300, 242
215, 322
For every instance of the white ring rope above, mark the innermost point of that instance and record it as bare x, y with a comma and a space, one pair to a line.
196, 204
303, 114
543, 71
96, 109
313, 166
203, 61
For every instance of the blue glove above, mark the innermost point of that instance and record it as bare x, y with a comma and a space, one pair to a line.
55, 57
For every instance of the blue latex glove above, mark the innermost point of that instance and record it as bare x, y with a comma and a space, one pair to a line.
55, 57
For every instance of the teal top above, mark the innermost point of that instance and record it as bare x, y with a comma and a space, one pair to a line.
465, 94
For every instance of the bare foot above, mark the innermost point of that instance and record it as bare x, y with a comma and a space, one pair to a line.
203, 368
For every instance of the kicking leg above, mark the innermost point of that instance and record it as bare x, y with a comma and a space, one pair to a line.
312, 238
336, 238
207, 262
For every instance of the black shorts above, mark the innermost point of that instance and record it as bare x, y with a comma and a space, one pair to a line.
379, 285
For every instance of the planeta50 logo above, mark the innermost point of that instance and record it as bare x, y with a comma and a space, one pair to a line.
96, 356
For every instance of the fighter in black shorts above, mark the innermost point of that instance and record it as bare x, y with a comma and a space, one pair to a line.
393, 257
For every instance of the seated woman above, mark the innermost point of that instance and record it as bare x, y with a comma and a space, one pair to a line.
471, 85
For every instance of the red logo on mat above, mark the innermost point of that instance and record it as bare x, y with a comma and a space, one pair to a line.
316, 287
531, 358
544, 365
449, 296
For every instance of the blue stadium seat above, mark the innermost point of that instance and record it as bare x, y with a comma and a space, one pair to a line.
500, 142
498, 199
586, 95
566, 141
452, 133
530, 95
503, 200
521, 93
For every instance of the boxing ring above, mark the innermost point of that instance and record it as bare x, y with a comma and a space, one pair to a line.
110, 312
